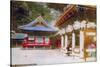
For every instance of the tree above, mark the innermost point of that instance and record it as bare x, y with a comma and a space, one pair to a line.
57, 6
24, 12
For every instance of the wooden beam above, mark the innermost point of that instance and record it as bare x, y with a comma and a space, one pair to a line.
66, 13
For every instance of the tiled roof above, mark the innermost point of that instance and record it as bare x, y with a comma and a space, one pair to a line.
39, 24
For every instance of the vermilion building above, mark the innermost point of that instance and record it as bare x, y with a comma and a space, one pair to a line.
38, 33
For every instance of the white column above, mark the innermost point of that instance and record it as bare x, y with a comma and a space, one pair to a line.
81, 44
62, 41
73, 42
66, 41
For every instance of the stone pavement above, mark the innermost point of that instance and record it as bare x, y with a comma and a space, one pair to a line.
40, 56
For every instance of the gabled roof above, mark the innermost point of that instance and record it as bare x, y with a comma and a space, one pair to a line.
39, 24
38, 20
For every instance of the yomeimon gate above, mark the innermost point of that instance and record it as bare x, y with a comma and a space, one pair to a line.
38, 33
77, 30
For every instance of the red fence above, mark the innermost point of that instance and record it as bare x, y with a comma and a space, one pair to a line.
32, 43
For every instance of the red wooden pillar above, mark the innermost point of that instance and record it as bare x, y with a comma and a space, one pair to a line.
43, 40
35, 40
25, 42
59, 43
49, 42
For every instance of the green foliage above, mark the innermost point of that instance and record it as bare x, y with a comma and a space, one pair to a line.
57, 6
53, 41
38, 9
53, 46
24, 12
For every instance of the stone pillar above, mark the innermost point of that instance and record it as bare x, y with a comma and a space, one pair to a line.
62, 41
81, 44
73, 42
66, 41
